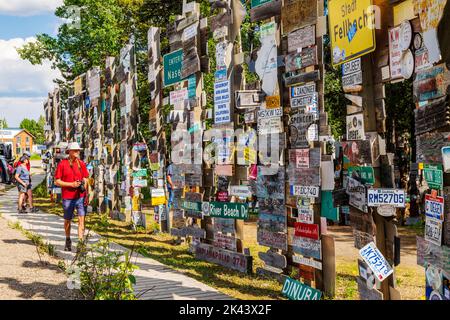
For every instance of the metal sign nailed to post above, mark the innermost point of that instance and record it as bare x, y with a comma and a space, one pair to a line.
376, 261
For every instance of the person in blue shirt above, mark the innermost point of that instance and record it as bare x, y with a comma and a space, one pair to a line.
170, 186
22, 177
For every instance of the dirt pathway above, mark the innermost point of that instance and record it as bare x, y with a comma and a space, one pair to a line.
23, 275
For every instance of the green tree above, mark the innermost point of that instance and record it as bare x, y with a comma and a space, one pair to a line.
3, 123
36, 128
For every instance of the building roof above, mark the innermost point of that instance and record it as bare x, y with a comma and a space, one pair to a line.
10, 133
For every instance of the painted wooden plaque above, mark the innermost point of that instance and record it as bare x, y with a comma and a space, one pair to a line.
268, 9
291, 78
224, 225
431, 83
298, 13
272, 239
304, 176
271, 186
272, 223
429, 146
273, 259
224, 241
229, 259
298, 60
303, 37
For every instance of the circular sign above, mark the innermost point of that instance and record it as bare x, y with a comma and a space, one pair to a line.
418, 41
407, 63
386, 210
205, 208
405, 35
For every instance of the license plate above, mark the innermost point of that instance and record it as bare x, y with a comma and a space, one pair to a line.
433, 230
375, 260
434, 207
378, 197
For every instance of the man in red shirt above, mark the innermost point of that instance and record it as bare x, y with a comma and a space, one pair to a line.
71, 175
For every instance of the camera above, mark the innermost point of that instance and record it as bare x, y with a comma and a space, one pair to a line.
81, 187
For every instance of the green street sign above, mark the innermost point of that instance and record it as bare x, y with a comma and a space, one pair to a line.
433, 175
228, 210
139, 173
365, 173
257, 3
172, 63
295, 290
191, 205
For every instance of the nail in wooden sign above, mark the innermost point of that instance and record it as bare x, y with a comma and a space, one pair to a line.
229, 259
307, 230
298, 13
301, 38
273, 259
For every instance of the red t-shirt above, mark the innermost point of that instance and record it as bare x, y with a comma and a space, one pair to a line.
70, 174
18, 163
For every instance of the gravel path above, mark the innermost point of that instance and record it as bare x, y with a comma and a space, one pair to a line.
25, 275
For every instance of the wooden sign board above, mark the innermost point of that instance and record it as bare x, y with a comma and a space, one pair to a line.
272, 239
307, 230
298, 13
299, 158
307, 247
431, 117
301, 38
366, 293
271, 206
357, 152
248, 99
305, 101
355, 127
265, 11
194, 232
193, 180
273, 259
361, 238
224, 225
431, 83
271, 186
303, 90
271, 273
229, 259
272, 222
429, 146
220, 20
224, 241
357, 194
304, 176
298, 60
307, 262
291, 79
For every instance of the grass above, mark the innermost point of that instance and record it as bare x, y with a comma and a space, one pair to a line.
159, 246
35, 157
38, 241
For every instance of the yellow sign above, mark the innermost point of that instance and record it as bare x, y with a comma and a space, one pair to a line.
403, 11
352, 29
272, 102
77, 86
156, 201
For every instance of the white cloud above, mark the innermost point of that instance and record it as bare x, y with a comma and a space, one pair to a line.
16, 109
19, 78
23, 87
28, 7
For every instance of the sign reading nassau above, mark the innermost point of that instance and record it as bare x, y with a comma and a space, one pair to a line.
228, 210
352, 29
172, 67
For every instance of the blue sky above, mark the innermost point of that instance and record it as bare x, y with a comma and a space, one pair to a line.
24, 87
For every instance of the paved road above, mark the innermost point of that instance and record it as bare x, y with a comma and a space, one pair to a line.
164, 282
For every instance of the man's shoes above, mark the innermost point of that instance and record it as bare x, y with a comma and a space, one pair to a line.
33, 210
68, 246
22, 211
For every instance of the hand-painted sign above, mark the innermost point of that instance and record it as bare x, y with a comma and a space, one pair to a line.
304, 176
271, 186
301, 38
305, 213
299, 158
431, 83
224, 241
272, 239
307, 247
271, 206
433, 175
433, 230
172, 67
307, 262
269, 125
395, 53
364, 174
298, 60
307, 230
222, 102
428, 252
233, 260
273, 259
355, 127
357, 194
378, 197
434, 207
375, 260
229, 210
352, 29
223, 225
357, 152
272, 222
242, 192
296, 290
298, 13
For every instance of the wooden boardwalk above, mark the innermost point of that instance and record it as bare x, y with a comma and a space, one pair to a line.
155, 280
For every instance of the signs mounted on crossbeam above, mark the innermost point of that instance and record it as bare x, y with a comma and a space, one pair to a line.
301, 38
355, 127
351, 40
264, 9
298, 13
302, 59
352, 76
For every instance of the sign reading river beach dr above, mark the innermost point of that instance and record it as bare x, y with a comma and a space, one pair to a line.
352, 29
228, 210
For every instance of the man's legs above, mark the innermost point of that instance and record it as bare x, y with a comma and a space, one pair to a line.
21, 197
81, 210
68, 207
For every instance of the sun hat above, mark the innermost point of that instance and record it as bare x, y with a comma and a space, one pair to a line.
26, 153
73, 146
